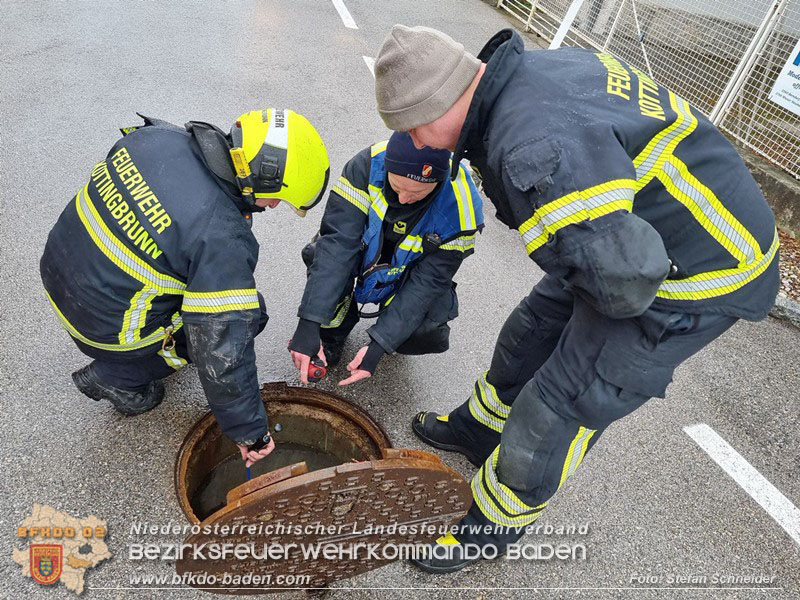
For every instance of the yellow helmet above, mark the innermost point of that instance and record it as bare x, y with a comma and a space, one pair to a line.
277, 153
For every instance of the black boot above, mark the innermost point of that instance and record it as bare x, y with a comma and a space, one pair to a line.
127, 402
434, 430
445, 555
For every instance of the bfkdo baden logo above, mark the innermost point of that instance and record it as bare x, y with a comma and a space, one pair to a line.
61, 547
45, 561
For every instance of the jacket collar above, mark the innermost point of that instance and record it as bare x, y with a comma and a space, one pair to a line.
212, 147
502, 54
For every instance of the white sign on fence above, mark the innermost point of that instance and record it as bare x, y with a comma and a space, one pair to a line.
786, 90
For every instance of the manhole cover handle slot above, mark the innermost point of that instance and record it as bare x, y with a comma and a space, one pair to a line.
267, 479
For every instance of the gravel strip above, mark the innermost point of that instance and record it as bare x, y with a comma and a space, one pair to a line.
790, 267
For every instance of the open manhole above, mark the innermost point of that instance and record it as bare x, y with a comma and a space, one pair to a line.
333, 484
307, 424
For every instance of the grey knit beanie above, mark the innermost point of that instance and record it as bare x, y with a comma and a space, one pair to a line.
419, 74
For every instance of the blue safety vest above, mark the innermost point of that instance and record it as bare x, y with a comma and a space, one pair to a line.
455, 213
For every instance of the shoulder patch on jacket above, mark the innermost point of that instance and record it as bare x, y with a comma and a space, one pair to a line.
531, 162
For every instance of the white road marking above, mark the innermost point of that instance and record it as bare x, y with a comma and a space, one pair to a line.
778, 506
347, 18
370, 64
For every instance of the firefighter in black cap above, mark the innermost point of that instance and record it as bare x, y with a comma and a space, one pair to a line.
393, 235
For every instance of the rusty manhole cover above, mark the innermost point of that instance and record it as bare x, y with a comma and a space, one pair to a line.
332, 483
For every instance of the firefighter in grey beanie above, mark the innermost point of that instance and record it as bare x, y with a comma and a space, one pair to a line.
653, 236
406, 100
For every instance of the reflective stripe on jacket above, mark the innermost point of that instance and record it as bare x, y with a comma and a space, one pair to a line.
617, 185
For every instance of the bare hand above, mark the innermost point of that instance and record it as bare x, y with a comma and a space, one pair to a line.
251, 456
356, 374
301, 361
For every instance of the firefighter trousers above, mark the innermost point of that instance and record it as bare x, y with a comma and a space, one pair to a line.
560, 374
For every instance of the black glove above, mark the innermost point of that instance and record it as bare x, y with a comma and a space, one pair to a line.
373, 355
260, 443
306, 338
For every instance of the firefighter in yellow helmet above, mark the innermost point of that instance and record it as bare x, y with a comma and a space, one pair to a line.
150, 266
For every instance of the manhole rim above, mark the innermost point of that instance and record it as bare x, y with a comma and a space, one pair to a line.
296, 394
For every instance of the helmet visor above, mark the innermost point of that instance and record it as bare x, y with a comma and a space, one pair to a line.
321, 192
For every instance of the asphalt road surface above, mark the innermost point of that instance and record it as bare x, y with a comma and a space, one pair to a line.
657, 506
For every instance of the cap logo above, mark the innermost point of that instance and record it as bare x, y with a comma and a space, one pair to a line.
427, 170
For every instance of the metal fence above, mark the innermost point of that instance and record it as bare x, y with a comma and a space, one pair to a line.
721, 55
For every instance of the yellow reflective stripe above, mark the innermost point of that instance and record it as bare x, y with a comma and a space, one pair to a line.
717, 283
126, 333
222, 301
172, 359
352, 194
148, 304
134, 318
577, 450
344, 306
650, 160
466, 211
379, 147
462, 244
486, 408
118, 253
488, 509
498, 502
709, 211
658, 160
411, 243
447, 539
374, 192
468, 199
588, 204
491, 399
379, 204
156, 336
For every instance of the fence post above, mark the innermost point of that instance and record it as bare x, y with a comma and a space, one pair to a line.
613, 29
745, 66
569, 19
760, 95
529, 23
641, 38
